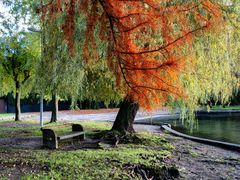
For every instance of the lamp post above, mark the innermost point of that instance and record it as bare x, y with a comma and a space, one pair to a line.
41, 98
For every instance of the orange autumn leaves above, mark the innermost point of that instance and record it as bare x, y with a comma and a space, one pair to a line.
151, 42
148, 38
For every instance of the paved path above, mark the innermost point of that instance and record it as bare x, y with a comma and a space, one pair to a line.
110, 116
96, 115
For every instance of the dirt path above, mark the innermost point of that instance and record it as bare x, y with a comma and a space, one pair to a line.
200, 161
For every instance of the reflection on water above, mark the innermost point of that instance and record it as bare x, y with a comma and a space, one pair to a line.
218, 128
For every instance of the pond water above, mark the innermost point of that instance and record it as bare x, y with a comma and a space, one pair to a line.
225, 129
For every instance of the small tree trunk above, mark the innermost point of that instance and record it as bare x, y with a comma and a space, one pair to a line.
18, 102
125, 117
74, 105
54, 116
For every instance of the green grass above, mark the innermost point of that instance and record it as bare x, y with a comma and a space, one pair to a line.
225, 108
96, 164
110, 163
11, 129
87, 164
33, 129
6, 114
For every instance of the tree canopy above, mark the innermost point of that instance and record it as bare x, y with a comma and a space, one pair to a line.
19, 55
17, 65
148, 41
162, 53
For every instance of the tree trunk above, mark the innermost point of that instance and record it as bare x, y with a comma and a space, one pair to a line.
125, 117
18, 102
74, 104
54, 116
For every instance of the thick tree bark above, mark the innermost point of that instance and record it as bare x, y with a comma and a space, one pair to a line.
125, 117
18, 102
54, 116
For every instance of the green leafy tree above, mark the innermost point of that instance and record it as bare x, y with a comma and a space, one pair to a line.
19, 55
59, 76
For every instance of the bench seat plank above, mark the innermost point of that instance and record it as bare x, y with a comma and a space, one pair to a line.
70, 135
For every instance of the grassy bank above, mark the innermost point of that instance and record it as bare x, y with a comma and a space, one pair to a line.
141, 157
6, 114
225, 108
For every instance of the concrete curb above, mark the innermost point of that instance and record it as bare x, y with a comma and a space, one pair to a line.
217, 113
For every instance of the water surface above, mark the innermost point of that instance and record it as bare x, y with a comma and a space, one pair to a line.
225, 129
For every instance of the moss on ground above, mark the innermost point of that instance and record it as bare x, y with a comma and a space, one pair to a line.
141, 157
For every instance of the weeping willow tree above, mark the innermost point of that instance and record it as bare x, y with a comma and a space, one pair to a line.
63, 76
59, 75
148, 69
213, 71
233, 36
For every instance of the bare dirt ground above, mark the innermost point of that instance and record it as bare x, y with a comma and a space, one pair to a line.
194, 160
199, 161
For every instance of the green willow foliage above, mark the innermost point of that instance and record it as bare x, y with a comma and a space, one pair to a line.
99, 83
215, 74
57, 72
68, 76
212, 77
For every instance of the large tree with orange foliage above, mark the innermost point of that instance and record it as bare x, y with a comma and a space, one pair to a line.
148, 42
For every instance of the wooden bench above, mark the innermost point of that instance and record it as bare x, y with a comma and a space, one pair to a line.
51, 139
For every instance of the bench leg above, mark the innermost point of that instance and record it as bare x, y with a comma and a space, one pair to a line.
49, 139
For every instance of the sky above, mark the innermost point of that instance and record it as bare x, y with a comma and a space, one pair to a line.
4, 11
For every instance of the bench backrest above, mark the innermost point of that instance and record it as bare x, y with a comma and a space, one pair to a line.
77, 127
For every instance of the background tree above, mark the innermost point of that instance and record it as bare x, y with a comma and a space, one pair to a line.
52, 79
20, 53
57, 72
66, 74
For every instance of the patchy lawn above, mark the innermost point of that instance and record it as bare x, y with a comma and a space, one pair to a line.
140, 158
144, 156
